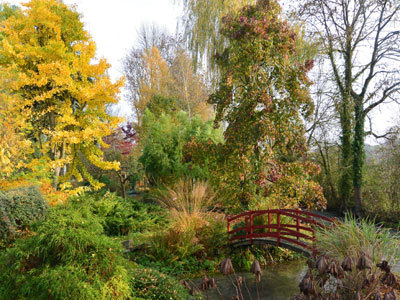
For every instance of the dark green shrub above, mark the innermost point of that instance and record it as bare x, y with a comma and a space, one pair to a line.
163, 138
120, 216
150, 284
18, 208
68, 257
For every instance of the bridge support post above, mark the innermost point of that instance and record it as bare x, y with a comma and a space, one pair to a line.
251, 228
246, 222
314, 238
297, 224
278, 221
228, 225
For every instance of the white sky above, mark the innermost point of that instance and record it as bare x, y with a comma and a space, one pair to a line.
113, 24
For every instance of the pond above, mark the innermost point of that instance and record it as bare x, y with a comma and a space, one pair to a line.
278, 282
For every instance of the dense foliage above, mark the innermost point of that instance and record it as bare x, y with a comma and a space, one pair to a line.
150, 284
381, 198
19, 208
54, 95
68, 257
163, 141
120, 217
72, 254
262, 97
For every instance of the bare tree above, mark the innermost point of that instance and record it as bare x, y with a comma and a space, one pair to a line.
360, 39
174, 65
149, 36
322, 131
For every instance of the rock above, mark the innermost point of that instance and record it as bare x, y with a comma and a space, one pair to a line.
128, 244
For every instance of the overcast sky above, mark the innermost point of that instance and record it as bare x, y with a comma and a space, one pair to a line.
113, 24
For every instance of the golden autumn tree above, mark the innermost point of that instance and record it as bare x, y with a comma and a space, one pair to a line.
13, 147
55, 89
189, 87
156, 80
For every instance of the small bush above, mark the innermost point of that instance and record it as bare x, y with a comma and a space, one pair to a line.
18, 208
150, 284
199, 240
68, 257
194, 231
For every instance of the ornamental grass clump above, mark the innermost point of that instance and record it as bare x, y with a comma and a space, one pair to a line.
348, 240
195, 229
187, 200
354, 263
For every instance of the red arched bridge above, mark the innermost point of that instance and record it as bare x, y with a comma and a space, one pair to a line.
293, 229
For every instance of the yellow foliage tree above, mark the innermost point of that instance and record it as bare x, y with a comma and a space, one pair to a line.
55, 90
155, 81
189, 88
177, 80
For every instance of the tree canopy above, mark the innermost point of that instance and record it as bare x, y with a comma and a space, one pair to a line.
261, 98
55, 90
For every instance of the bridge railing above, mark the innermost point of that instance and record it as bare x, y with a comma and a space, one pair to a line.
294, 226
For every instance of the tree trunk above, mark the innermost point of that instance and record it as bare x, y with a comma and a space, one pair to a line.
345, 183
122, 182
358, 156
54, 152
345, 111
327, 171
123, 189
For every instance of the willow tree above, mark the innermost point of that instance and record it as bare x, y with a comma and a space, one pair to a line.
203, 21
60, 94
261, 98
361, 41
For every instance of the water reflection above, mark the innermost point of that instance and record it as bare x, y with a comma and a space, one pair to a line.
279, 282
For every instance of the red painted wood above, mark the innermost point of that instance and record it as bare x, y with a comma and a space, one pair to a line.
294, 233
278, 222
298, 225
269, 221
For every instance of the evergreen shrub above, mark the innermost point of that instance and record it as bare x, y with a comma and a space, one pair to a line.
67, 257
150, 284
18, 208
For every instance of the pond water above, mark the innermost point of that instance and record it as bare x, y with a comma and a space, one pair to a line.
278, 282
